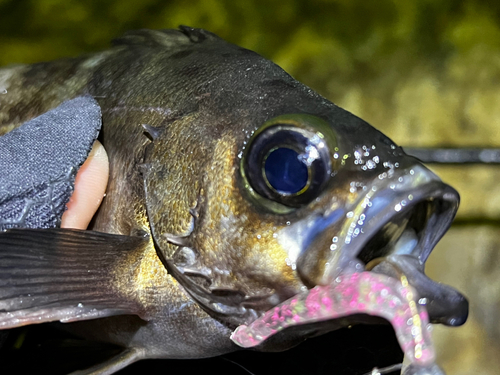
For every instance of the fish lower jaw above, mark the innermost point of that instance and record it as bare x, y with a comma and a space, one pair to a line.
350, 295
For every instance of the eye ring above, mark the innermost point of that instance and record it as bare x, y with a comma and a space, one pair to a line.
304, 142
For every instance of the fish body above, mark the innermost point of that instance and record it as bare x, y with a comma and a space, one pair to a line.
232, 188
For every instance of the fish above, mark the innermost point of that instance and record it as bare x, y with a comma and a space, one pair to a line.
236, 194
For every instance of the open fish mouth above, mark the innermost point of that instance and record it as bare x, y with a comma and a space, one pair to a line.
399, 242
391, 229
414, 229
375, 269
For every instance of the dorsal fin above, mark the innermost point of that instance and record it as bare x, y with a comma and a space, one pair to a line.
197, 35
164, 38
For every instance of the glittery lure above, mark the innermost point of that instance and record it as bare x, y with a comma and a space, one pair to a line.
365, 292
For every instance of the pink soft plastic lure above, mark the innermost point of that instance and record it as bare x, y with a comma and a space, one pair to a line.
365, 292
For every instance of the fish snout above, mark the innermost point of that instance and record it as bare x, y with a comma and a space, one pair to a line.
390, 230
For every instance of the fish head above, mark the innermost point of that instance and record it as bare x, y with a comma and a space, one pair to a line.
263, 189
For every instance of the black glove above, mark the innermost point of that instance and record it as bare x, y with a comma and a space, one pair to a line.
39, 161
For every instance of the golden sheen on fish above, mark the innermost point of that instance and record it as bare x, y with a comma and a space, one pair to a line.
233, 189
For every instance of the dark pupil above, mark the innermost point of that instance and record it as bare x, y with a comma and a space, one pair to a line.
285, 172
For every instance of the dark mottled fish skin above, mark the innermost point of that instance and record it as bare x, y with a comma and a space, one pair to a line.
178, 107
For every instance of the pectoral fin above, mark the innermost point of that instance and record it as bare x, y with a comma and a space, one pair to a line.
63, 275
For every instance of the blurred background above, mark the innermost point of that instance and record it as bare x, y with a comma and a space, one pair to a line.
425, 73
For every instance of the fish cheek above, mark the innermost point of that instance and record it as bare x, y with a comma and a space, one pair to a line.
236, 236
193, 198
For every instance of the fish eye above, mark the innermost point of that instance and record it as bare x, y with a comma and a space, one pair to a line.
285, 172
288, 161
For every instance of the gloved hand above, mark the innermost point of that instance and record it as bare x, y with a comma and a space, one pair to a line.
39, 162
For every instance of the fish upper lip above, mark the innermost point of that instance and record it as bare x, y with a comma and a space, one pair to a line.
419, 225
441, 202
